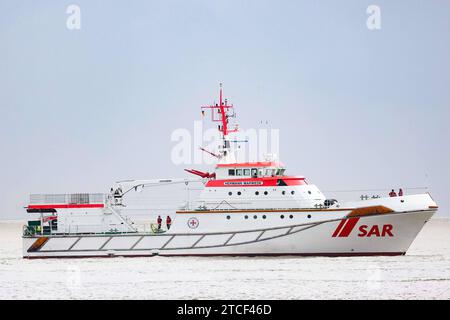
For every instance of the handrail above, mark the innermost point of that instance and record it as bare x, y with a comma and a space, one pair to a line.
67, 198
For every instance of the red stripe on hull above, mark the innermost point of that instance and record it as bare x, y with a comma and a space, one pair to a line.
348, 227
66, 206
339, 227
325, 254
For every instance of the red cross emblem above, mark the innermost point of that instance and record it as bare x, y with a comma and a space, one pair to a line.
192, 223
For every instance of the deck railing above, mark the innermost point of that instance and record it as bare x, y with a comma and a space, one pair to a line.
70, 198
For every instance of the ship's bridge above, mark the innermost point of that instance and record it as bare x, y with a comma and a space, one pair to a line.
250, 170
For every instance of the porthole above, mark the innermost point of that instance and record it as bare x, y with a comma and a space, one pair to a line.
309, 191
282, 216
292, 192
283, 192
239, 193
266, 193
257, 193
230, 193
255, 216
264, 216
228, 217
246, 217
309, 216
291, 216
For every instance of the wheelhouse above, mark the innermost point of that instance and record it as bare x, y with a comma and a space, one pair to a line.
250, 170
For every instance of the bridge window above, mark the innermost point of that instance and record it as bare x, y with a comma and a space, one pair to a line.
246, 172
239, 172
231, 172
254, 172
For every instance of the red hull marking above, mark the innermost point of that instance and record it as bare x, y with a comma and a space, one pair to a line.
256, 182
348, 227
66, 206
339, 227
318, 254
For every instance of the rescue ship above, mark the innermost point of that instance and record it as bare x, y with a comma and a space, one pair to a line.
244, 208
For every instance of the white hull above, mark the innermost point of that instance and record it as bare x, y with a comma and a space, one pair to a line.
244, 208
331, 237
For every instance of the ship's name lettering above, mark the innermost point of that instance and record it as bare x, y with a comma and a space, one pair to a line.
243, 183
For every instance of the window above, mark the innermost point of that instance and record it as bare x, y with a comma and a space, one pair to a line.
246, 217
239, 193
292, 192
266, 193
239, 172
282, 172
255, 216
282, 216
268, 172
291, 216
231, 172
260, 172
309, 216
228, 217
309, 191
230, 193
246, 172
283, 192
274, 172
257, 193
264, 216
254, 172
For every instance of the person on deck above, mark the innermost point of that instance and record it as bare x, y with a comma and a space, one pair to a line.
159, 221
168, 222
392, 193
400, 192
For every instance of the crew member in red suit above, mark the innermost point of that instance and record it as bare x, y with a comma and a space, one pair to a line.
168, 222
159, 222
392, 193
400, 192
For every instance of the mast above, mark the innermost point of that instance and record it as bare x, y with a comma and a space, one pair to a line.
224, 115
224, 112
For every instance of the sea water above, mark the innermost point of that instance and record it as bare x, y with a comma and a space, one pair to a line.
424, 273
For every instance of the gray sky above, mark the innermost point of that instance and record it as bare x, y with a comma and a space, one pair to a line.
356, 108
